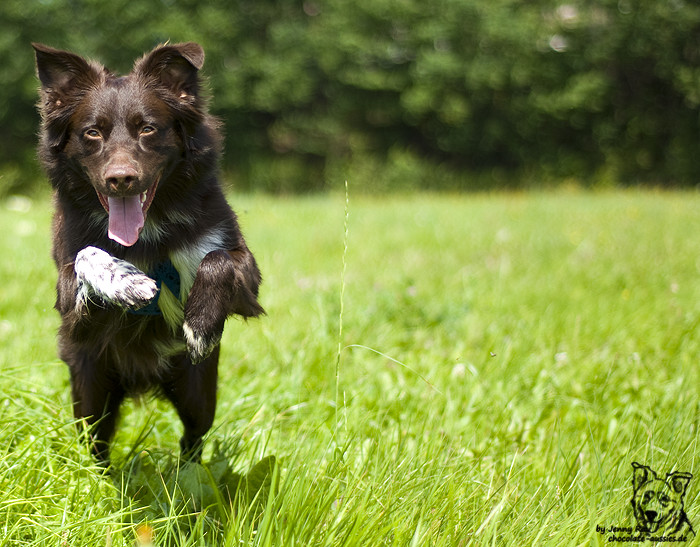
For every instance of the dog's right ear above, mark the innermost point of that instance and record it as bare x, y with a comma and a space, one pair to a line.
61, 73
642, 475
64, 77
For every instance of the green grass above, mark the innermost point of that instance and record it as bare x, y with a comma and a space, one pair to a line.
503, 360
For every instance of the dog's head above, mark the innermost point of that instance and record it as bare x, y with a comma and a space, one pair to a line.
122, 136
657, 503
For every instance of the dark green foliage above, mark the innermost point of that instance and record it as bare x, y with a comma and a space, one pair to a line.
312, 91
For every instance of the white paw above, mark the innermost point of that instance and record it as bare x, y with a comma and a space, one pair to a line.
199, 345
112, 280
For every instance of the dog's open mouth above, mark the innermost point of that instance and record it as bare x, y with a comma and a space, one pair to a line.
127, 215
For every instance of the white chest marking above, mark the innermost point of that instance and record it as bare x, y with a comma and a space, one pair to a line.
187, 260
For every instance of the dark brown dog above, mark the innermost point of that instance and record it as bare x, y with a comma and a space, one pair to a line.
150, 257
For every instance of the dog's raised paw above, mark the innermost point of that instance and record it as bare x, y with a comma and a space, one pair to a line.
112, 280
199, 344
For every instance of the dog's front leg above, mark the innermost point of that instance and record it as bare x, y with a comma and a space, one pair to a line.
226, 283
111, 280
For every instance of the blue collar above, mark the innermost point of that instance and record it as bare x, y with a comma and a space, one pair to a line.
163, 272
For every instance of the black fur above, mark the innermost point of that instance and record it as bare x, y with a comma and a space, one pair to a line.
107, 139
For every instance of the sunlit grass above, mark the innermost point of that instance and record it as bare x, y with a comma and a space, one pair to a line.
503, 360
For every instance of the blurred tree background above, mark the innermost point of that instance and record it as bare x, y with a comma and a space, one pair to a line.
399, 94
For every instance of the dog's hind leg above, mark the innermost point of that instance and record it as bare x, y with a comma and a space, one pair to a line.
192, 391
96, 402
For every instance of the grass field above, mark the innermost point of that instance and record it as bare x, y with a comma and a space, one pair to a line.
503, 360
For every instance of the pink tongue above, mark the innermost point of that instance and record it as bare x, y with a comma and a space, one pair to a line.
125, 219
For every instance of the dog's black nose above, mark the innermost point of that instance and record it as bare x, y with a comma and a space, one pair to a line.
120, 185
120, 174
121, 180
650, 515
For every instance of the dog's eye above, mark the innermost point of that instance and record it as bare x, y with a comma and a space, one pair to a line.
148, 130
92, 134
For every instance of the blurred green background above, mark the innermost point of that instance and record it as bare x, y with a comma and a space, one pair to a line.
399, 94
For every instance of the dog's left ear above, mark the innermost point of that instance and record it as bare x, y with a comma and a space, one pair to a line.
175, 67
678, 481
